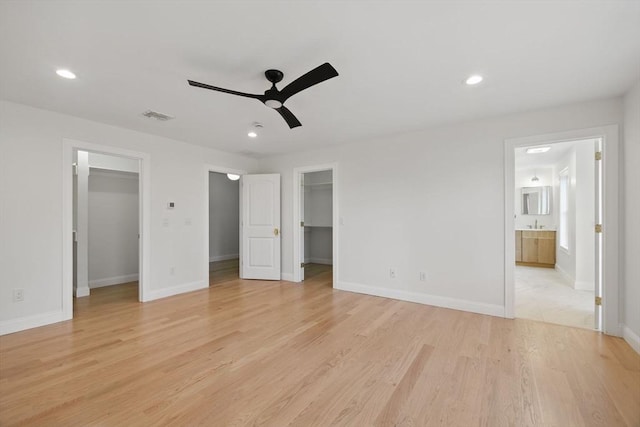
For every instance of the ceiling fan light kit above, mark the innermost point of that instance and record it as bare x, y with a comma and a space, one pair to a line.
274, 98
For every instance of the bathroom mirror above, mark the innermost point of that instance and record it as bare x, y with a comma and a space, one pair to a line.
536, 200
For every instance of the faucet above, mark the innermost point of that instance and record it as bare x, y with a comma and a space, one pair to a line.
536, 226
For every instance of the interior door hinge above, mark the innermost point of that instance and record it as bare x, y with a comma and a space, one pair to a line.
75, 169
302, 265
598, 228
301, 223
598, 155
598, 300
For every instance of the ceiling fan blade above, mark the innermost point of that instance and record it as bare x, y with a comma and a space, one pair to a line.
229, 91
288, 117
313, 77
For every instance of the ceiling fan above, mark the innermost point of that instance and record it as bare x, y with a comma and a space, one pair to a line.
275, 98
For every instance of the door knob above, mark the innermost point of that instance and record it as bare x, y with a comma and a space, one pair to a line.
276, 231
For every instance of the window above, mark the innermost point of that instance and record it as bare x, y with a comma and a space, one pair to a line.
563, 227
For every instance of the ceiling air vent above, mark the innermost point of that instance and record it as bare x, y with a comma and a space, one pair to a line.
156, 115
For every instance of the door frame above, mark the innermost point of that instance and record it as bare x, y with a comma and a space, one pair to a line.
225, 170
297, 175
609, 136
144, 212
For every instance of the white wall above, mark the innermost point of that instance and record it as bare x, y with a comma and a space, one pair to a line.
565, 258
523, 179
224, 217
31, 142
577, 264
113, 227
631, 235
405, 203
585, 216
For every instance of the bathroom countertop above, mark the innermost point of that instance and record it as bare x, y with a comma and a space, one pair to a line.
535, 229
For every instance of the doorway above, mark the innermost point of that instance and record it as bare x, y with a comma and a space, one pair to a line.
556, 252
315, 224
106, 228
222, 198
605, 231
224, 227
105, 214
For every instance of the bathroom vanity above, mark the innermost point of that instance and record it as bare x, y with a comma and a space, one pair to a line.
536, 248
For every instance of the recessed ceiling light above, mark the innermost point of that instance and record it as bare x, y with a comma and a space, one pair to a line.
66, 74
252, 134
473, 80
535, 150
233, 176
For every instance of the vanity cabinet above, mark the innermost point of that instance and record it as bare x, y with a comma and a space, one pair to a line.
536, 248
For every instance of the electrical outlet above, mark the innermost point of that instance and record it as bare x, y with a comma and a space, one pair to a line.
392, 273
18, 295
423, 276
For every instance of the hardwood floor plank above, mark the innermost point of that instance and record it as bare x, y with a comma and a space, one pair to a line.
266, 353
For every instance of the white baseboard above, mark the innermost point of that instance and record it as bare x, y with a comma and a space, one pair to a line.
27, 322
570, 280
446, 302
223, 257
154, 294
288, 277
630, 337
584, 286
324, 261
81, 292
115, 280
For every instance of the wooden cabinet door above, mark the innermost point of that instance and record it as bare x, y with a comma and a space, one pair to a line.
529, 248
518, 246
547, 247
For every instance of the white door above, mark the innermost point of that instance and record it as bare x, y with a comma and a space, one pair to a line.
260, 224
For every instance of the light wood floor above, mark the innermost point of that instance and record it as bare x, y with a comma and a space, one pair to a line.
277, 354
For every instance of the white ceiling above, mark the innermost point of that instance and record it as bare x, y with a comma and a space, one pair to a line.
401, 64
524, 160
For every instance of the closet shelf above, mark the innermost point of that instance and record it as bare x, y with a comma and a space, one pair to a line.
319, 184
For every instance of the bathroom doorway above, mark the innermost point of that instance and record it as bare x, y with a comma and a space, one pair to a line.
603, 228
555, 189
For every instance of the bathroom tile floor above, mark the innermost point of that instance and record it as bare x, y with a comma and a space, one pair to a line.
544, 294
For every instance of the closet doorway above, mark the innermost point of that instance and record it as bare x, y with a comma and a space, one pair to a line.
106, 227
315, 241
224, 227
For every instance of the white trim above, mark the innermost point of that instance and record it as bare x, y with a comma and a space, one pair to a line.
631, 338
437, 301
155, 294
287, 277
80, 292
581, 285
115, 280
207, 258
144, 192
570, 280
227, 257
610, 237
324, 261
27, 322
112, 173
297, 275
